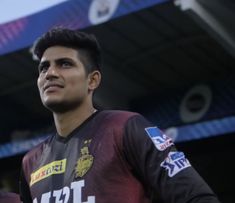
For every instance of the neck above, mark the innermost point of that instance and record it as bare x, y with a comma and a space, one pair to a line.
66, 122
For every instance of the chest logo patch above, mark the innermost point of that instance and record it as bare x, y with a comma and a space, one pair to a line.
84, 163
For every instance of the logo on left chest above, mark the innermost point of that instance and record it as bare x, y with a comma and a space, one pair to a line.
85, 161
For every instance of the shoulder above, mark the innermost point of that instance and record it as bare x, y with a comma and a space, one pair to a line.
118, 115
118, 120
127, 118
113, 119
36, 151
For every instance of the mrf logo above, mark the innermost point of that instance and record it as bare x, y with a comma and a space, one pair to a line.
55, 167
160, 140
175, 162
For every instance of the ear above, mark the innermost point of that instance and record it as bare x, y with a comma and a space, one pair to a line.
94, 79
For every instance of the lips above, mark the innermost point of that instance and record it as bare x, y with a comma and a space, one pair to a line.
52, 86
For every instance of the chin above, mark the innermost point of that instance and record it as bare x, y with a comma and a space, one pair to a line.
60, 107
53, 105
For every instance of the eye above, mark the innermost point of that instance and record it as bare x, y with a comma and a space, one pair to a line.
43, 67
66, 64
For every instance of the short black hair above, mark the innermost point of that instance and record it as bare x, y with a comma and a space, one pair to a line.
86, 45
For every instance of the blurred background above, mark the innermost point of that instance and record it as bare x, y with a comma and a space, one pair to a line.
172, 61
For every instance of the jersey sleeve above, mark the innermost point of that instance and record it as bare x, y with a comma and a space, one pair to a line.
165, 172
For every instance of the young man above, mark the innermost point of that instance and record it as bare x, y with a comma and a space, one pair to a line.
98, 156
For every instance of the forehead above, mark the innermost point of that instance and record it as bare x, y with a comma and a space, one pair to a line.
56, 52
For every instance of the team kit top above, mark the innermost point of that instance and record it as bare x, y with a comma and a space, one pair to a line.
113, 157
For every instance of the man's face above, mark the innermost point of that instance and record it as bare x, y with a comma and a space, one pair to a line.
63, 83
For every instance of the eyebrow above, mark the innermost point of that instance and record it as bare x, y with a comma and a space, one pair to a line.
43, 63
63, 59
56, 60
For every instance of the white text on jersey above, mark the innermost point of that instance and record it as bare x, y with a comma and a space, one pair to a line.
66, 194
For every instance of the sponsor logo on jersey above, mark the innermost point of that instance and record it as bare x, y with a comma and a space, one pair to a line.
72, 193
160, 140
55, 167
85, 161
175, 162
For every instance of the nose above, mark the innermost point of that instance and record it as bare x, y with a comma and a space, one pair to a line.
52, 72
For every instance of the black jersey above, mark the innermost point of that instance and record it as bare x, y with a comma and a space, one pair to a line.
113, 157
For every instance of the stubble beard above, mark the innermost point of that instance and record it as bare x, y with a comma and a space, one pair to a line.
62, 107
